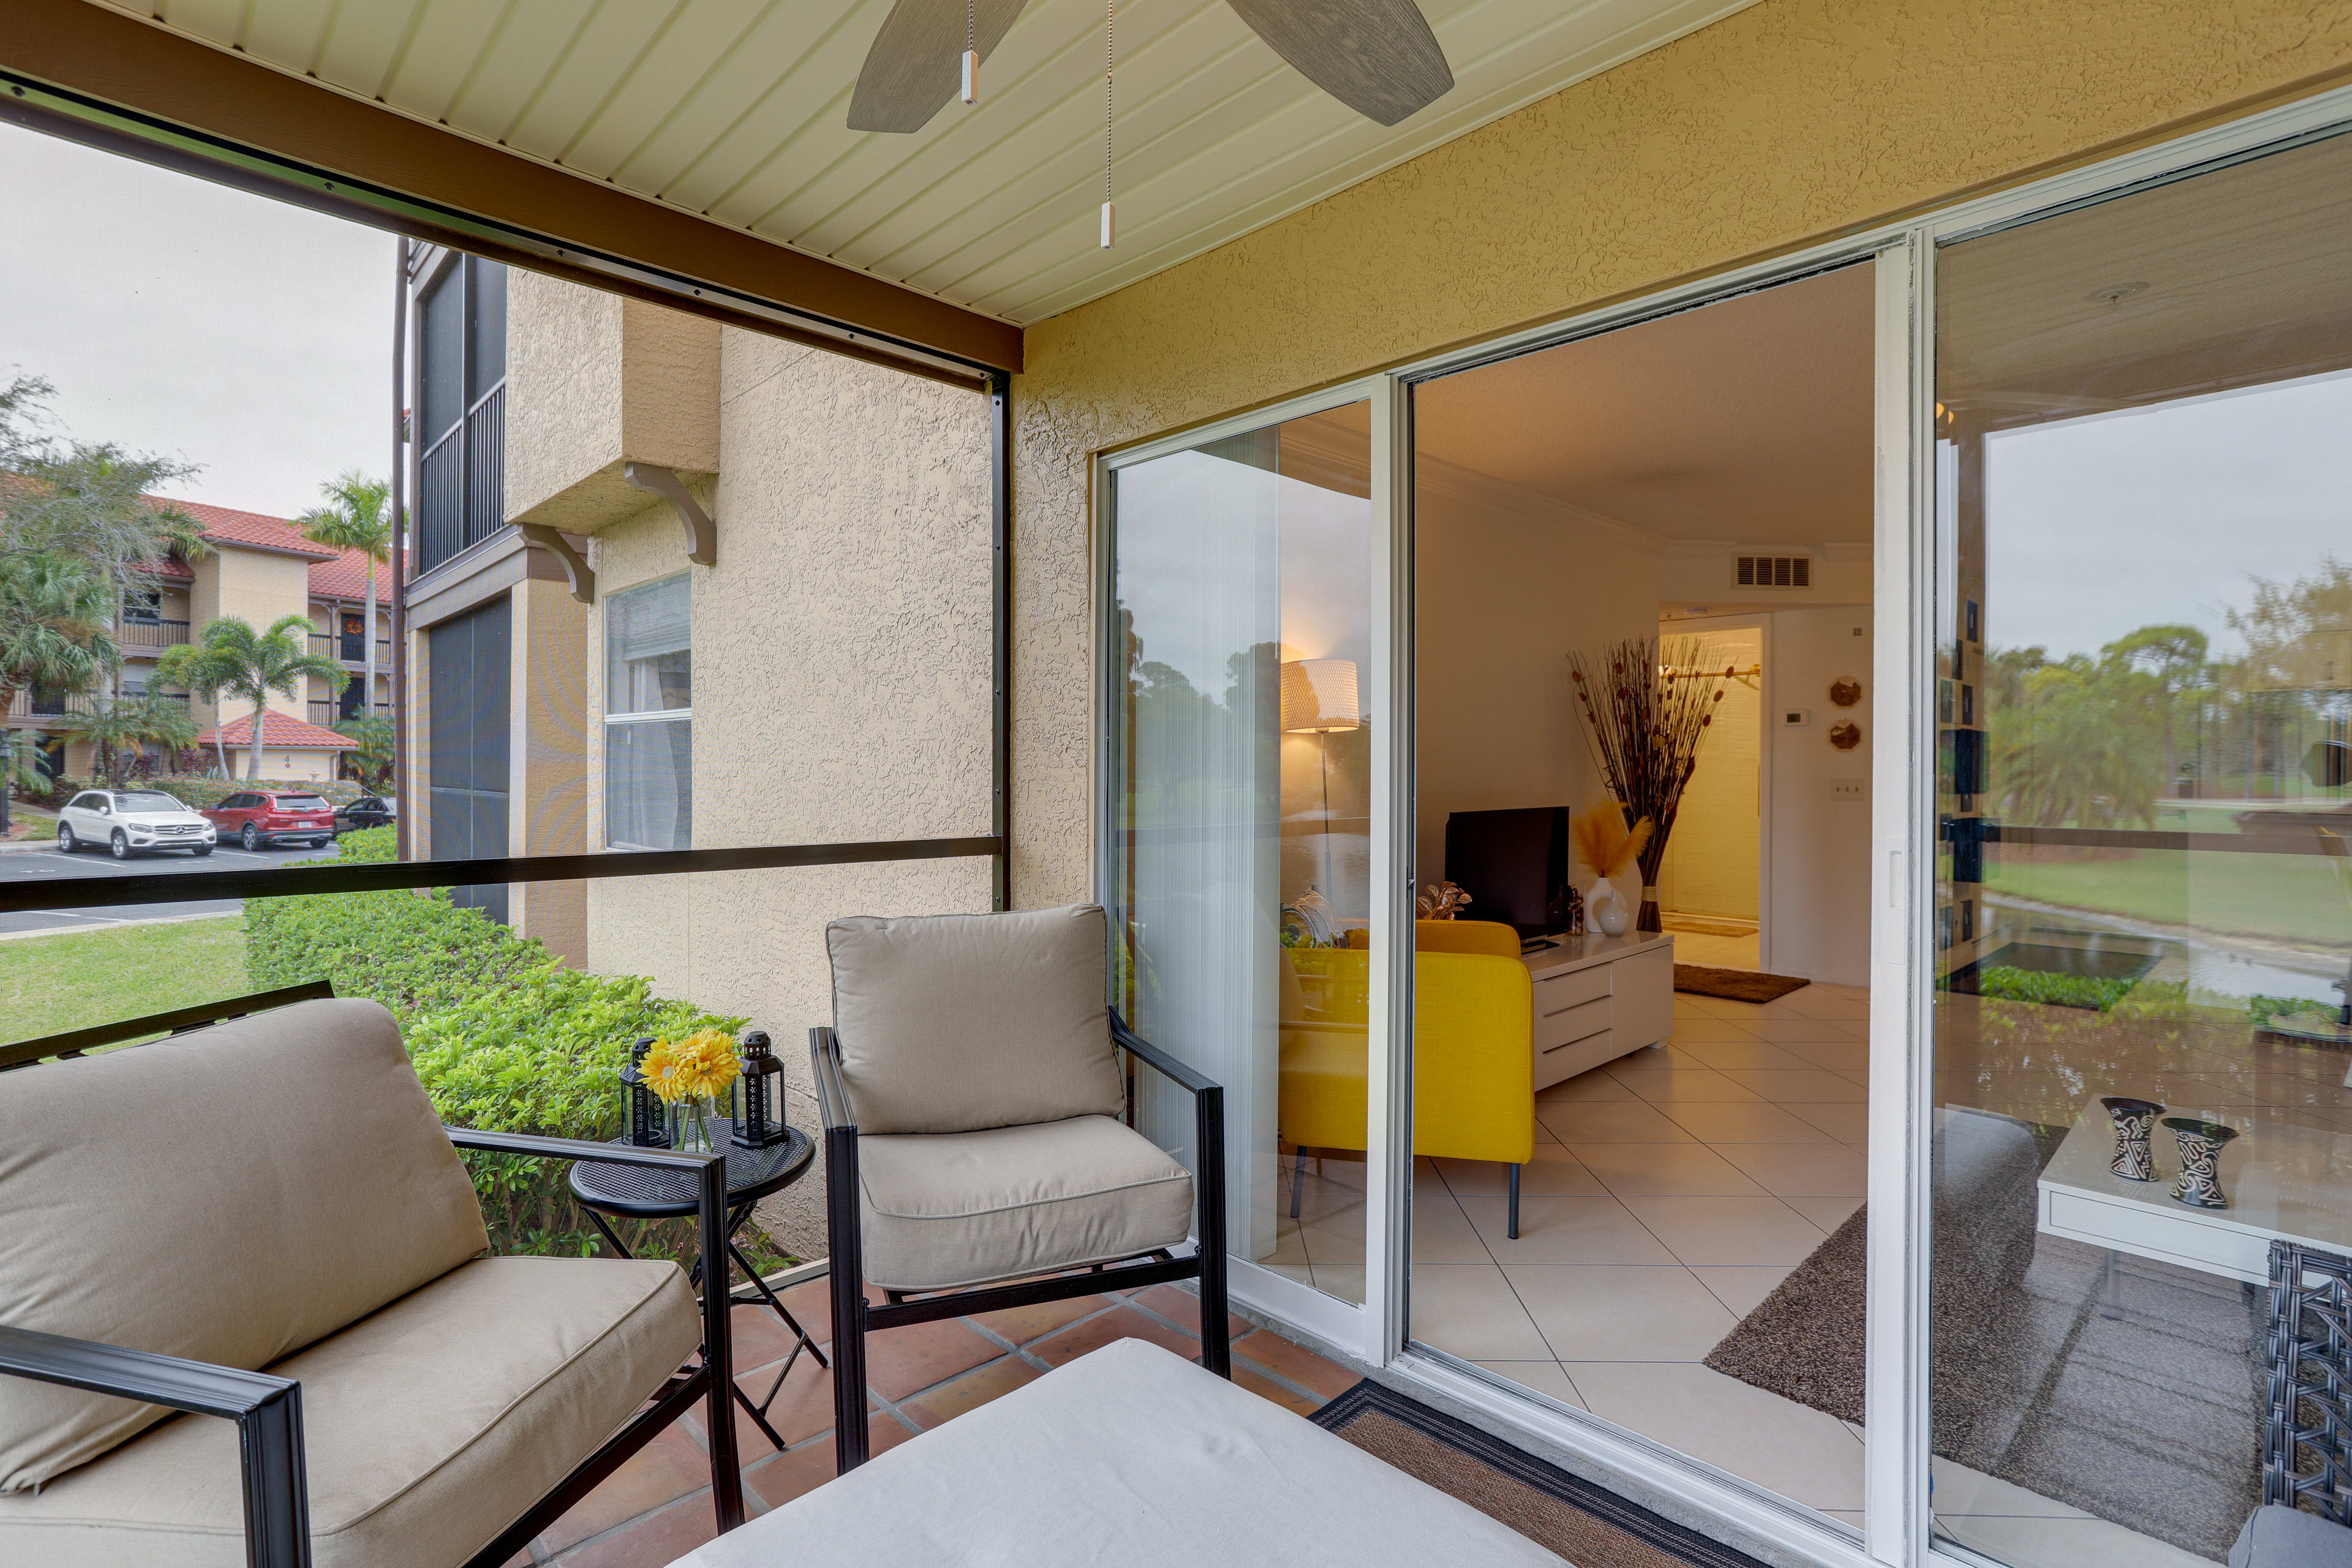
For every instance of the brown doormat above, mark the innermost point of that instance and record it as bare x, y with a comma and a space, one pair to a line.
1588, 1525
1734, 984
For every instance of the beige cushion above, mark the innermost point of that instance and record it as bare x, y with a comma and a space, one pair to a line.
229, 1195
430, 1425
952, 1023
948, 1209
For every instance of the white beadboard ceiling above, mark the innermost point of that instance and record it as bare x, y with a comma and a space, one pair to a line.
735, 110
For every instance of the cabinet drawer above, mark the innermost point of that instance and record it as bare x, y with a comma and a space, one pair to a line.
1554, 993
1572, 1024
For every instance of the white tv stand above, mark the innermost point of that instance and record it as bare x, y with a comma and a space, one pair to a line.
1597, 997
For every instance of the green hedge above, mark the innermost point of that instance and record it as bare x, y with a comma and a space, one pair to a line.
198, 792
2051, 989
503, 1036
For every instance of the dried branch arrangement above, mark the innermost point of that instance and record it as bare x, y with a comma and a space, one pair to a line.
1647, 703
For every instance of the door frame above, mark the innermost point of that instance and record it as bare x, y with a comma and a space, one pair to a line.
1896, 1442
1766, 700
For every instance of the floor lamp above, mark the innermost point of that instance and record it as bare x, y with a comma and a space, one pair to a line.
1318, 697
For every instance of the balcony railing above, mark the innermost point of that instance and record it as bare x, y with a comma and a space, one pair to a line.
37, 705
351, 648
461, 483
143, 634
327, 711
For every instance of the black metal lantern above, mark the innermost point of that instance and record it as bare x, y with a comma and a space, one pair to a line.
648, 1124
761, 1088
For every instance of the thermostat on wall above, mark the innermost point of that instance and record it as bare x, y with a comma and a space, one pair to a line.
1796, 718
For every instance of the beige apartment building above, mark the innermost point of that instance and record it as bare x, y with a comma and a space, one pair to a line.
260, 569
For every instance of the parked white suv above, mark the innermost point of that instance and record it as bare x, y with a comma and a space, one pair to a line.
132, 822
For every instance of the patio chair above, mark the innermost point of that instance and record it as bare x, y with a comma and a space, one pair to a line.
973, 1106
263, 1220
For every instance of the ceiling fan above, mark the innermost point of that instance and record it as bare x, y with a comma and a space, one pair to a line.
1376, 56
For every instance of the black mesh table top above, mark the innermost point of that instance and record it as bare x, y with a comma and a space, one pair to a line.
636, 1193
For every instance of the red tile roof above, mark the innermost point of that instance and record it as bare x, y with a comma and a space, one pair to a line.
345, 578
278, 730
223, 526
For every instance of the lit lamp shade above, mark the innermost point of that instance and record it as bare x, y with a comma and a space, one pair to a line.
1318, 695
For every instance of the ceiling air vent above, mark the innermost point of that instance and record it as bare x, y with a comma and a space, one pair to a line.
1772, 571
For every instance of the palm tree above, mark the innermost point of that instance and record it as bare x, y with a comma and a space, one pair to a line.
54, 616
116, 726
232, 659
357, 516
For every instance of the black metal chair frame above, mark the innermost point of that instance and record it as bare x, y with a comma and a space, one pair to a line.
268, 1410
854, 1317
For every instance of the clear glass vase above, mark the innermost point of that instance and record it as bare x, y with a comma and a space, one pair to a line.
697, 1125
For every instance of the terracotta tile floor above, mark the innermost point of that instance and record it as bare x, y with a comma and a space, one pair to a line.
657, 1507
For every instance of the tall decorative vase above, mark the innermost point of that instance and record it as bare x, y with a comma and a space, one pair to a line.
2199, 1185
2135, 1120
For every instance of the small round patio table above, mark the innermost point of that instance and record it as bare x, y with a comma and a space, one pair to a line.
634, 1192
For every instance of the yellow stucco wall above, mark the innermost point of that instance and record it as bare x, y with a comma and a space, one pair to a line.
1781, 125
261, 587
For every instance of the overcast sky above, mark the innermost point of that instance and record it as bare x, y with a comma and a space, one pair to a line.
176, 316
2099, 526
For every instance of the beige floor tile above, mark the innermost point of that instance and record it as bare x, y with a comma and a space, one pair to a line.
1621, 1313
1741, 1287
1469, 1310
1749, 1053
1848, 1123
1961, 1490
1819, 1001
2063, 1542
1345, 1280
1720, 1007
1631, 1122
1837, 1056
1826, 1213
1585, 1089
1568, 1230
1757, 1123
1554, 1171
1648, 1168
1800, 1170
1783, 1085
1776, 1443
1761, 1229
1652, 1058
1441, 1233
1544, 1377
1786, 1031
1691, 1031
1669, 1086
1716, 951
1427, 1178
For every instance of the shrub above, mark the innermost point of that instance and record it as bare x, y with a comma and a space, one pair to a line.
504, 1037
2083, 991
2265, 1009
200, 792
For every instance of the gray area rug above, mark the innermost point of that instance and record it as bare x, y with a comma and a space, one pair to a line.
2152, 1419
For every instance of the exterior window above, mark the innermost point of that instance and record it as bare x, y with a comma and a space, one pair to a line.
648, 717
461, 368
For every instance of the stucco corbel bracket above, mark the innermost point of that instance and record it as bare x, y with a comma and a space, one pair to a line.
556, 542
701, 532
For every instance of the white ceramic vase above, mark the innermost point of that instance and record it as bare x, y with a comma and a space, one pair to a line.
1606, 911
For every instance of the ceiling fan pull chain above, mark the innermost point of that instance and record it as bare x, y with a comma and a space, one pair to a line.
970, 57
1110, 213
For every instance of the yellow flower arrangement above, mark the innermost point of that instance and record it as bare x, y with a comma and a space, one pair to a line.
699, 1067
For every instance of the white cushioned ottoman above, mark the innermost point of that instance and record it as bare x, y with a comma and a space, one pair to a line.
1130, 1456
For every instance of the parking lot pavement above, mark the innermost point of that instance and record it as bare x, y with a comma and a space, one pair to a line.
51, 867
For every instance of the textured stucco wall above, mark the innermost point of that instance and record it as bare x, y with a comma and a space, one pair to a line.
1789, 121
260, 588
594, 381
841, 688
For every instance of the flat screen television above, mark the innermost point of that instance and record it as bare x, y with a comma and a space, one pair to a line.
1513, 864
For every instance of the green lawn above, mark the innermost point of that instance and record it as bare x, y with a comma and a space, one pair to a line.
72, 980
2293, 898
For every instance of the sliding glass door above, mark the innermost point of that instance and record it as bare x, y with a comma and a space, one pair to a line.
1242, 839
2143, 903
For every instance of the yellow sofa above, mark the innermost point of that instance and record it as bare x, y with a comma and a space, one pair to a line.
1473, 1070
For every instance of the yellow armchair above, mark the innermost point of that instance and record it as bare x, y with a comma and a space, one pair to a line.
1474, 1068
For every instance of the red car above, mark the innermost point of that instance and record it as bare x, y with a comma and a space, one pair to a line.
258, 816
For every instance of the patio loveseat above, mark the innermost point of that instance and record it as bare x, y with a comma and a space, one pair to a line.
264, 1221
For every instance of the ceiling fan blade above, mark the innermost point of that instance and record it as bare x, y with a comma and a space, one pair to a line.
915, 64
1376, 56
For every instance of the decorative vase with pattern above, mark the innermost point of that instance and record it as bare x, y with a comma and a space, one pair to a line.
2134, 1122
2199, 1184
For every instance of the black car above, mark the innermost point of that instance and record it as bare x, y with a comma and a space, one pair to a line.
368, 811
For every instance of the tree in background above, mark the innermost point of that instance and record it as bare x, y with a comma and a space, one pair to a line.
357, 516
117, 728
232, 659
78, 531
373, 760
2174, 658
